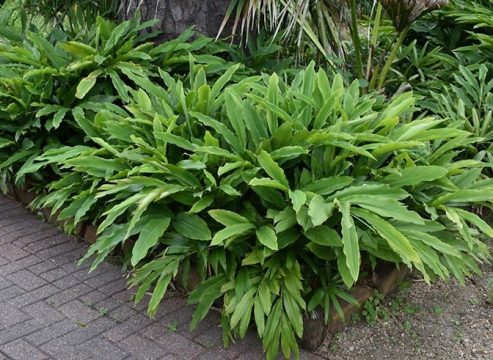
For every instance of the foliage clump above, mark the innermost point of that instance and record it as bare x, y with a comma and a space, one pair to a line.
281, 190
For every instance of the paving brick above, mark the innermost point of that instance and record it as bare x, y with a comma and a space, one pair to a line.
22, 350
65, 247
27, 280
171, 305
17, 265
104, 278
122, 313
4, 283
142, 348
23, 224
43, 312
127, 328
211, 337
249, 344
3, 261
125, 297
54, 274
12, 252
66, 282
51, 332
67, 295
10, 315
43, 246
12, 216
19, 330
34, 296
36, 232
87, 331
68, 261
114, 287
173, 342
42, 268
100, 348
214, 354
172, 357
58, 349
93, 297
10, 292
180, 320
82, 273
78, 311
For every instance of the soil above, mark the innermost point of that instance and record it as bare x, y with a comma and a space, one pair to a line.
421, 321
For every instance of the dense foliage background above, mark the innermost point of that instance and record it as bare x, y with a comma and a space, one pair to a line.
282, 167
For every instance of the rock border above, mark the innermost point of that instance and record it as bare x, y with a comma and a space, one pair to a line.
385, 279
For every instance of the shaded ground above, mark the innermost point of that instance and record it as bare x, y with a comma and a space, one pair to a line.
441, 321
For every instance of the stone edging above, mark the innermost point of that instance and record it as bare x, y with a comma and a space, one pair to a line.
385, 279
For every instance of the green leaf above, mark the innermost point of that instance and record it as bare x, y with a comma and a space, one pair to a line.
153, 229
231, 231
267, 237
158, 293
243, 308
328, 185
343, 269
86, 84
319, 210
266, 182
202, 204
192, 226
476, 221
350, 241
415, 175
397, 241
272, 169
227, 218
298, 199
325, 236
386, 207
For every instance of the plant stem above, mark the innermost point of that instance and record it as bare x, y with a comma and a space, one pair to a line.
356, 40
391, 58
374, 38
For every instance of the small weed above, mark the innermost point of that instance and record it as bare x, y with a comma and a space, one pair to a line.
172, 326
103, 311
397, 303
407, 325
474, 301
456, 322
80, 324
333, 348
458, 336
489, 291
411, 309
406, 284
373, 310
356, 318
437, 310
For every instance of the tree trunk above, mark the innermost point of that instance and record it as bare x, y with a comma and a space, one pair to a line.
176, 15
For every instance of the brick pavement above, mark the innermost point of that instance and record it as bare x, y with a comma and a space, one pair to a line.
50, 308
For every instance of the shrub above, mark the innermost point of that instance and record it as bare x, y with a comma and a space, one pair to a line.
281, 194
468, 104
46, 84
